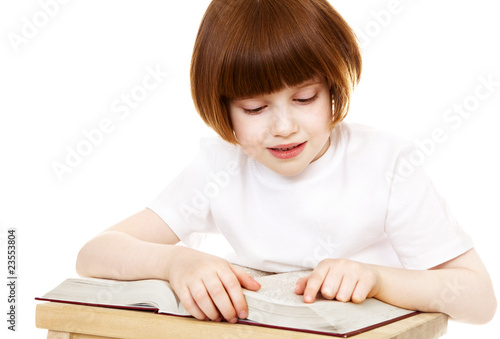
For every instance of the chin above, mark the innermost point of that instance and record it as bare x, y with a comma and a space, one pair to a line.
288, 171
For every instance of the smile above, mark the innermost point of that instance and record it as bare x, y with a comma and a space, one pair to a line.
287, 151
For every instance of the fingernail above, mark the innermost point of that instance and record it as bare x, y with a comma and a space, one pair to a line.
233, 321
243, 314
308, 298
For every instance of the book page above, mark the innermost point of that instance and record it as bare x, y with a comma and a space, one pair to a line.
348, 316
277, 304
142, 294
280, 287
253, 272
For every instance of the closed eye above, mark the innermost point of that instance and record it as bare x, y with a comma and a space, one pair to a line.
254, 110
308, 100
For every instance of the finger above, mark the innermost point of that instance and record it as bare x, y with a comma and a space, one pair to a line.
203, 300
361, 291
216, 288
190, 304
346, 288
314, 283
331, 284
245, 279
235, 292
300, 286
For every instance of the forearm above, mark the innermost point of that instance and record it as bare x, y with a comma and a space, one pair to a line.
117, 255
461, 293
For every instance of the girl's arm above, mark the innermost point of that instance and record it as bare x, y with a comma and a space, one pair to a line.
460, 287
143, 247
136, 248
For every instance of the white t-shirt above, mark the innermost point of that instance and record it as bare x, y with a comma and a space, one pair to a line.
362, 200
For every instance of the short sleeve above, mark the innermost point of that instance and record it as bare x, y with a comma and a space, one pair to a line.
419, 223
183, 204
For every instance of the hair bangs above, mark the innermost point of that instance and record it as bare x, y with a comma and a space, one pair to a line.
271, 53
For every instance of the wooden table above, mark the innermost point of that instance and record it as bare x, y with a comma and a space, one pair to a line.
67, 321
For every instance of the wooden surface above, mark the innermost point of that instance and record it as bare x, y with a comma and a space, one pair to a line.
67, 321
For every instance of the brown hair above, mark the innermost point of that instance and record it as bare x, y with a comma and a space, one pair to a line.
251, 47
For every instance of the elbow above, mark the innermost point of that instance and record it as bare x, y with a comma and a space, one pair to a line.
481, 317
90, 255
81, 267
86, 260
100, 258
468, 294
480, 307
481, 314
488, 306
487, 313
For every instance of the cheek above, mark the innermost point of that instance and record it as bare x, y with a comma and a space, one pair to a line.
320, 118
240, 129
328, 115
251, 135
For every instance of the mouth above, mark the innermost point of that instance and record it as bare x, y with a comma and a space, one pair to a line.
287, 151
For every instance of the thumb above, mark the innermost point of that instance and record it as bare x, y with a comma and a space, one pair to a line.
245, 279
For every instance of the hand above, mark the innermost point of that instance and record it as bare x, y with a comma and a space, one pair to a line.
209, 287
340, 279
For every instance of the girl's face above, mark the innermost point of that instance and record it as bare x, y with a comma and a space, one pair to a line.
286, 130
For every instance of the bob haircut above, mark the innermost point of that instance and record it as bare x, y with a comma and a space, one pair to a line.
247, 48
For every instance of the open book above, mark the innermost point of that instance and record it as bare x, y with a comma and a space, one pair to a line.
274, 305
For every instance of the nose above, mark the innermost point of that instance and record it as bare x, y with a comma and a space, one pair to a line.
283, 123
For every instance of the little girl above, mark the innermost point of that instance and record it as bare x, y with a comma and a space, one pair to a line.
289, 186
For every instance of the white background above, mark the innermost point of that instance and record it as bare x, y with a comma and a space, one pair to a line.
418, 63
